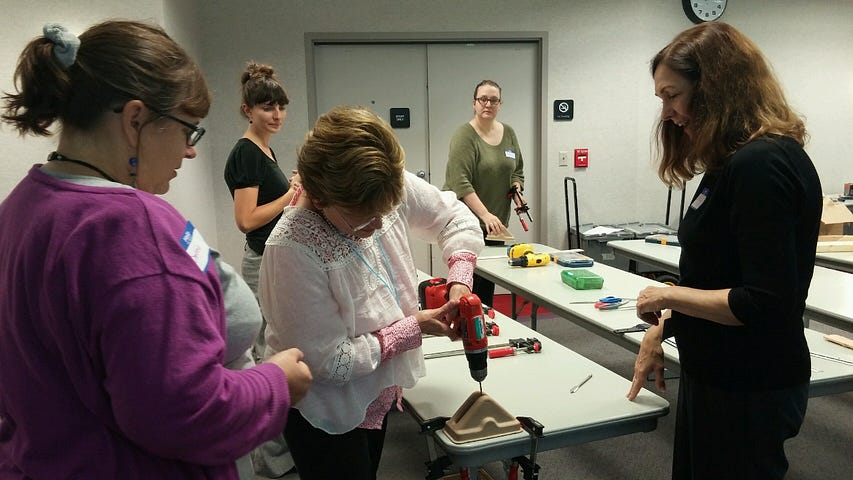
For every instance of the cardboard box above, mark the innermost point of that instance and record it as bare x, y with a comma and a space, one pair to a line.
833, 218
831, 236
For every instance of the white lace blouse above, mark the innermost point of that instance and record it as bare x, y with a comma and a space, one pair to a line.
327, 294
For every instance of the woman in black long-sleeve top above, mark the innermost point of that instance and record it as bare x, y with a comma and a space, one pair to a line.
748, 247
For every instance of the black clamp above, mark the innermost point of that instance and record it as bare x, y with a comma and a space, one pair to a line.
438, 467
535, 430
530, 345
433, 424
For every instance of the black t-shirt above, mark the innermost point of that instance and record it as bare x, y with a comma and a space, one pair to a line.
249, 166
752, 226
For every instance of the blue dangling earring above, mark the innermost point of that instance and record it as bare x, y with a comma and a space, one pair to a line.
133, 163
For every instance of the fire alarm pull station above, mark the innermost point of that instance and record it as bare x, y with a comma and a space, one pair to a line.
581, 157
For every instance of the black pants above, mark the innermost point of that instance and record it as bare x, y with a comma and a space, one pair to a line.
319, 455
734, 435
485, 289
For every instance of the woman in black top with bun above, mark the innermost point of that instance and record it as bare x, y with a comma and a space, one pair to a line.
261, 191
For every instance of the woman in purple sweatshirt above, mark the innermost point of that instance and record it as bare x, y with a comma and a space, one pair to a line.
112, 323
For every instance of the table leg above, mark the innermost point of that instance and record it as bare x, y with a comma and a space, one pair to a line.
533, 315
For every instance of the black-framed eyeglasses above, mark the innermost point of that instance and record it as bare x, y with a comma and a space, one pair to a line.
486, 101
194, 133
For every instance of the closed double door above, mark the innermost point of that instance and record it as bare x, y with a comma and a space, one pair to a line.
435, 82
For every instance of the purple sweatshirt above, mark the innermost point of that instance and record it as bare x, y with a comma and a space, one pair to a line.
111, 343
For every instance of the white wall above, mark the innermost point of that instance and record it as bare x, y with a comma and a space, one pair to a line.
192, 191
19, 23
598, 55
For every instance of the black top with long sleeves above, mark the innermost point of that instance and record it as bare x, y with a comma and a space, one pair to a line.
752, 226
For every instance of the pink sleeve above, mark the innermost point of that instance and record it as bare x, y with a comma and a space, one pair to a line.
462, 268
399, 337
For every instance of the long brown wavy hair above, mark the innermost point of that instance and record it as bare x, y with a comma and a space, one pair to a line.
736, 98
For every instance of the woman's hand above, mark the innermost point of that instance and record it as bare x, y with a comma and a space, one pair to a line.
650, 303
493, 224
649, 360
298, 374
295, 180
457, 291
437, 321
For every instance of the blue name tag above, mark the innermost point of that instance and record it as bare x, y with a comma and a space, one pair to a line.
509, 154
195, 246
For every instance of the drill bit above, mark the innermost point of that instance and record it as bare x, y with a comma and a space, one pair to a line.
481, 387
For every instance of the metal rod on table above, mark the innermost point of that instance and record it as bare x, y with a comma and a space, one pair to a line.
831, 358
578, 386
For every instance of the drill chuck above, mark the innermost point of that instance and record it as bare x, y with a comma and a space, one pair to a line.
477, 364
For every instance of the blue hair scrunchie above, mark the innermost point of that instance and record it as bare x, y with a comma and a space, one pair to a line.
65, 44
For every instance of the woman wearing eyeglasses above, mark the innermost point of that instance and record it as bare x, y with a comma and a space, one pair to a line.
484, 164
339, 282
261, 191
112, 312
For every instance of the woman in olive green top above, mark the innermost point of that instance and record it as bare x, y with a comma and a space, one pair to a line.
484, 164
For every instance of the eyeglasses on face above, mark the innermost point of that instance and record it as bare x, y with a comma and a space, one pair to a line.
358, 228
194, 132
486, 101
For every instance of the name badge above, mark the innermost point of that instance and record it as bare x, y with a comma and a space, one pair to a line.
195, 246
509, 154
700, 199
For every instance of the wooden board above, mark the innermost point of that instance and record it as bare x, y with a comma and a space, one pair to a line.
505, 236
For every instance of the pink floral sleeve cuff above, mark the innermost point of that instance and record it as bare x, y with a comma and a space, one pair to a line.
400, 336
462, 268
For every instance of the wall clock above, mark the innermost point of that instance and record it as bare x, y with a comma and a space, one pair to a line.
699, 11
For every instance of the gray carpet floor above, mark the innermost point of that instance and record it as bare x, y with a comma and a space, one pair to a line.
823, 450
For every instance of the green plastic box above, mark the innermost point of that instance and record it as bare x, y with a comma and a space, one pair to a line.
581, 279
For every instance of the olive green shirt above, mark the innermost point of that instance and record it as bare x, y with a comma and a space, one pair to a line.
475, 166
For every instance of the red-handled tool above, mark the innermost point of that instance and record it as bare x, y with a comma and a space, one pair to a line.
520, 206
525, 345
492, 328
501, 352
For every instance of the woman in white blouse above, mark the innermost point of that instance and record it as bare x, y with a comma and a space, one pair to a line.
338, 281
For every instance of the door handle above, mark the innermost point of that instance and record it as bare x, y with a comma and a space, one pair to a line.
421, 174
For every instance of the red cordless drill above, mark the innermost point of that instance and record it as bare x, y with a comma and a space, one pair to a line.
433, 293
473, 333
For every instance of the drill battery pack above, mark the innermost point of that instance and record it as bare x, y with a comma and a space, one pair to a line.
432, 293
